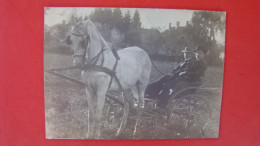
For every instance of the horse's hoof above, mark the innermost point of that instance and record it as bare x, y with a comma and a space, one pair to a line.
117, 133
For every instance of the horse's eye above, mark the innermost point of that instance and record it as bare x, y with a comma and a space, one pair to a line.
68, 40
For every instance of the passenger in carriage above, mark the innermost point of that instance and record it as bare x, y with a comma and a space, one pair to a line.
187, 73
195, 70
189, 58
190, 76
156, 87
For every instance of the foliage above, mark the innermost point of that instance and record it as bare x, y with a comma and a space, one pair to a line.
112, 23
122, 30
206, 25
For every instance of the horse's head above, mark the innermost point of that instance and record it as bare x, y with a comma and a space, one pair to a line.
79, 40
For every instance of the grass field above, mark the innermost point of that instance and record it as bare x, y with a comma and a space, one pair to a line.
66, 106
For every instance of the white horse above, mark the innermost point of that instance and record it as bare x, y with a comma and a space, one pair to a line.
132, 70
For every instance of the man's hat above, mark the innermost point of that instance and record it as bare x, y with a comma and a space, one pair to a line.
186, 50
201, 48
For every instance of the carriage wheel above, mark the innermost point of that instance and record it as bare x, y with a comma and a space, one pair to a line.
112, 115
188, 117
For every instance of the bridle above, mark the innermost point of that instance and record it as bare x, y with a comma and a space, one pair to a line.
83, 46
92, 64
94, 60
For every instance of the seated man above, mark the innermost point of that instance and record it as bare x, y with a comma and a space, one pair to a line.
190, 76
187, 72
154, 88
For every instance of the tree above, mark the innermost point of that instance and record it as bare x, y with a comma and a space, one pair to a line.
133, 35
136, 20
97, 15
116, 17
205, 26
107, 16
126, 21
151, 40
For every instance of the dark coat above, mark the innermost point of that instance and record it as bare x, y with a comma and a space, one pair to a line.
183, 66
194, 71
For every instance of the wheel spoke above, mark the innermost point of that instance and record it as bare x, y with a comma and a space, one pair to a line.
190, 114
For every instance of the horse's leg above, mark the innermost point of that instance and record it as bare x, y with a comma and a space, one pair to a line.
135, 94
124, 119
91, 104
100, 97
141, 90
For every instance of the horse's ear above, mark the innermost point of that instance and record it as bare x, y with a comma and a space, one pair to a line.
68, 40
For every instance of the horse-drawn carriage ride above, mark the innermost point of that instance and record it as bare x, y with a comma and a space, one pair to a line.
183, 114
108, 76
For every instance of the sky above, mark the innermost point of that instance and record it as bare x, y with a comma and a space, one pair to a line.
150, 18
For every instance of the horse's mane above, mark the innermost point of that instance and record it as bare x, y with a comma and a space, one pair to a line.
92, 30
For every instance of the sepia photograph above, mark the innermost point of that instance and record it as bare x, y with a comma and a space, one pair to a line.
133, 73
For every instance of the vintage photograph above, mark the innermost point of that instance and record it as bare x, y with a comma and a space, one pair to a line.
133, 73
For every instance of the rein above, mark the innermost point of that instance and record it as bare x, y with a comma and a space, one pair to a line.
92, 64
108, 71
95, 59
157, 69
88, 39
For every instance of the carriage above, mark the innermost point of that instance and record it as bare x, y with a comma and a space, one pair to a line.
184, 113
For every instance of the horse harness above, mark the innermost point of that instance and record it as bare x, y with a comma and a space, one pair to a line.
92, 64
